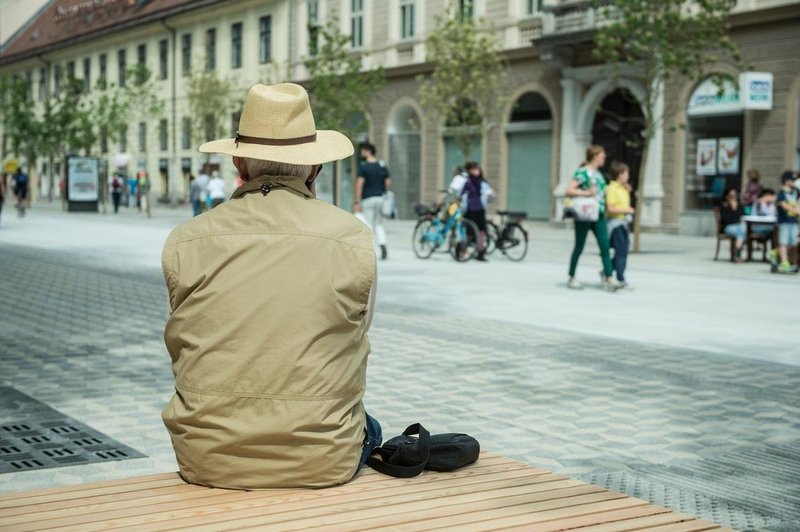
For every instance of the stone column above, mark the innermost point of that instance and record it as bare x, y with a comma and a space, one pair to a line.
653, 187
571, 142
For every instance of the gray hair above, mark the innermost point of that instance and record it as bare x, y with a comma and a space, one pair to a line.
258, 168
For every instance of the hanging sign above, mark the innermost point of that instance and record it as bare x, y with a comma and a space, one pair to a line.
756, 90
709, 99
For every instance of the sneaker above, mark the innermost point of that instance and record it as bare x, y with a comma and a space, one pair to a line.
773, 257
574, 284
609, 286
785, 267
624, 285
482, 258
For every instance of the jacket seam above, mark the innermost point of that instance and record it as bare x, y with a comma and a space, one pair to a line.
203, 391
255, 233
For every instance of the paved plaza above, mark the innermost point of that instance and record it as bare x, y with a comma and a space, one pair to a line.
683, 392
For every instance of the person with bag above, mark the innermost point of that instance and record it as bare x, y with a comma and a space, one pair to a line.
619, 213
372, 183
587, 188
477, 193
271, 296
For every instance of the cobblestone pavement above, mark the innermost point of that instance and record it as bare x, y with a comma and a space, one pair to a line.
698, 432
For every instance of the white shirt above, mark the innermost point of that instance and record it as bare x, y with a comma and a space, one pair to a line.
216, 188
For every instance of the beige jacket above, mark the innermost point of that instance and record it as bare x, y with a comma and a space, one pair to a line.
268, 339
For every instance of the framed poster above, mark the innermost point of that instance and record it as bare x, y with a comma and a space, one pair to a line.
83, 184
728, 155
707, 157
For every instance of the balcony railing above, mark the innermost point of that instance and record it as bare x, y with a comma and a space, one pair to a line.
572, 16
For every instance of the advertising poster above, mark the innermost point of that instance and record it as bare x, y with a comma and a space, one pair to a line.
707, 157
728, 158
83, 178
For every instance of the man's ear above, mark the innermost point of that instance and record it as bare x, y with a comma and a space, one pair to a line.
240, 165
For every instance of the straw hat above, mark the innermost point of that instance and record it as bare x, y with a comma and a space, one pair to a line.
277, 125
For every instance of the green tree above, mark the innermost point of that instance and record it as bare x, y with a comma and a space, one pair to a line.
211, 101
653, 40
464, 89
340, 92
21, 127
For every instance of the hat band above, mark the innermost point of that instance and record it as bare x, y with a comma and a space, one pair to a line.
274, 142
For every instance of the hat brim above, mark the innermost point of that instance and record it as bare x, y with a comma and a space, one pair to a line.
329, 146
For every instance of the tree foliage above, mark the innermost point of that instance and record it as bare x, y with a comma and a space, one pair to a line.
211, 101
464, 89
651, 41
339, 91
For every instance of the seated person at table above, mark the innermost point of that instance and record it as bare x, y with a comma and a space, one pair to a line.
730, 214
764, 206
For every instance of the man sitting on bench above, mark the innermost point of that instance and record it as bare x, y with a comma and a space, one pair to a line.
271, 296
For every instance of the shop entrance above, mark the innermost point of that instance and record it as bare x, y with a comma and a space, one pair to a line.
530, 142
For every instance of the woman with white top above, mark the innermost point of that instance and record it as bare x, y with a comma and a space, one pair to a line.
216, 189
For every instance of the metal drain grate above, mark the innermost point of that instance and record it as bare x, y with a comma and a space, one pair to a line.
35, 436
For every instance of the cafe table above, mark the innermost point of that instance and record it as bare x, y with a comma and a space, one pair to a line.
752, 220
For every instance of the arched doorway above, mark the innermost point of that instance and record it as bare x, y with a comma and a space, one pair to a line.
530, 142
618, 126
405, 158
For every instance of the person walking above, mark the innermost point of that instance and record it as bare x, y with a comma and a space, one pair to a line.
195, 195
216, 189
202, 180
21, 191
143, 186
788, 203
116, 191
619, 213
589, 182
477, 193
372, 182
133, 192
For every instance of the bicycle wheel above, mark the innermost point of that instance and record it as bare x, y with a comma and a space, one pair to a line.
514, 243
464, 240
492, 236
424, 240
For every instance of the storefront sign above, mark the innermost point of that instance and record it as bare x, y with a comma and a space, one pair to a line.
756, 90
83, 178
728, 155
707, 99
707, 157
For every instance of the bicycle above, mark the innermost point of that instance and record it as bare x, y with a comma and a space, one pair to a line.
510, 237
431, 233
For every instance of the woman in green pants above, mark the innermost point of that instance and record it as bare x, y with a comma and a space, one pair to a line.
588, 181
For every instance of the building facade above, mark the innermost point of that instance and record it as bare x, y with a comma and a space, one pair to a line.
558, 99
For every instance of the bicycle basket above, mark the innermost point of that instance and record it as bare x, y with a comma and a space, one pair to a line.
422, 210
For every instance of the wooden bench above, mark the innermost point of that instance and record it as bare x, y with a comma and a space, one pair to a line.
492, 494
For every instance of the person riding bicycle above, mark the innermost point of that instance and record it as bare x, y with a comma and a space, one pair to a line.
21, 189
476, 193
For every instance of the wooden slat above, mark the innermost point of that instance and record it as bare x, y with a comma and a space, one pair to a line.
89, 485
638, 523
691, 526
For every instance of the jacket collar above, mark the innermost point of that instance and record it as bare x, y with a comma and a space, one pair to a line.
260, 184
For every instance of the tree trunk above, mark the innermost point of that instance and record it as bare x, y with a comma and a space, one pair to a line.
637, 220
51, 178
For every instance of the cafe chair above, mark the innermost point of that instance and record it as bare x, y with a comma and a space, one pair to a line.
716, 192
722, 236
763, 239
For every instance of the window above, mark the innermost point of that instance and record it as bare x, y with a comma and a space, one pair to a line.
533, 6
313, 27
123, 139
466, 9
186, 53
406, 19
121, 66
236, 45
356, 23
102, 75
142, 136
265, 39
42, 83
141, 54
211, 49
186, 133
29, 84
162, 58
162, 135
57, 80
87, 74
71, 70
209, 127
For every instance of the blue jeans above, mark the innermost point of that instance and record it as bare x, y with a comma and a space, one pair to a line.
196, 207
373, 439
737, 231
621, 242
